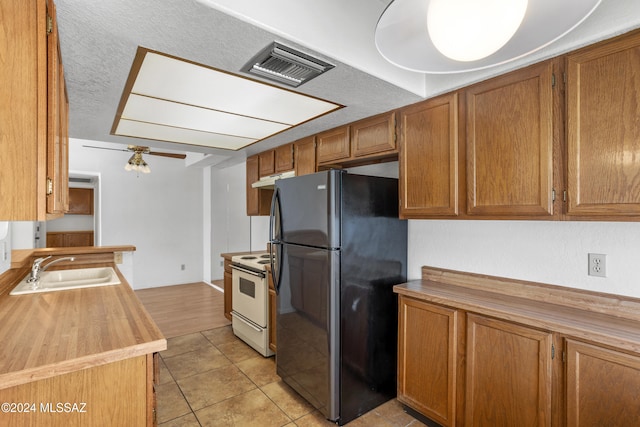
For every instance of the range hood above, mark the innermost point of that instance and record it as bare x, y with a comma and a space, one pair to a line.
270, 181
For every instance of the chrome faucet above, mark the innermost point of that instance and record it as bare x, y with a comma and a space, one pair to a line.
37, 267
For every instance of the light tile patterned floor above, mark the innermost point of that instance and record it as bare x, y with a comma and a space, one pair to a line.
212, 378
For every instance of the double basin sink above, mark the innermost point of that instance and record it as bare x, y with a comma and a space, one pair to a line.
61, 280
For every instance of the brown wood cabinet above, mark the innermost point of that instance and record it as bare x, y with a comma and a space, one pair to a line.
477, 350
65, 239
427, 373
266, 163
510, 144
431, 159
258, 199
305, 152
114, 392
57, 123
602, 386
508, 377
603, 131
228, 291
34, 162
284, 158
374, 135
80, 201
333, 145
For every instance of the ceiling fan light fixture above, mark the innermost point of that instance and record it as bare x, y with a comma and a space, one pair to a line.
468, 30
136, 163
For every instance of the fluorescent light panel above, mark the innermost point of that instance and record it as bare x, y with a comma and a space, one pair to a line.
174, 100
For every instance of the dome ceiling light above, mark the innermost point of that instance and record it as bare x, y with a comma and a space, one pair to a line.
454, 36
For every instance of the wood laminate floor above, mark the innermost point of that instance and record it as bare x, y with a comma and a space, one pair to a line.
184, 309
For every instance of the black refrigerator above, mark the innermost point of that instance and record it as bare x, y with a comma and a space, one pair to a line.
338, 248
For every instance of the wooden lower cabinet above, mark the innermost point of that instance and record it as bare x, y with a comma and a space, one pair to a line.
427, 359
119, 394
228, 278
508, 376
603, 386
65, 239
485, 351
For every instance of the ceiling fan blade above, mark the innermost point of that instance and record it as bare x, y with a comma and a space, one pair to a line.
173, 155
105, 148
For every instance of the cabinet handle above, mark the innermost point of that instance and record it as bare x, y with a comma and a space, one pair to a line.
49, 186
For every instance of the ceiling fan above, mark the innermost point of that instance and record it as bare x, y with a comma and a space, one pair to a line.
136, 162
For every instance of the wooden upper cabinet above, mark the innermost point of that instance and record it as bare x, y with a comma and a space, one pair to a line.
374, 135
80, 201
509, 374
510, 142
429, 161
603, 130
305, 152
602, 386
333, 145
27, 75
57, 134
428, 359
267, 163
258, 200
284, 155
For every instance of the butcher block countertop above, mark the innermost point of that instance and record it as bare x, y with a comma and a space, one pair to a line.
53, 333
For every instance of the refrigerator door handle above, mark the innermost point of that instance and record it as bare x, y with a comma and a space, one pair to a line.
275, 211
276, 255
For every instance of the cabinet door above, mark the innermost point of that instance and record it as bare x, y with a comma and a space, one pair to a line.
427, 352
267, 163
258, 200
80, 201
79, 238
23, 108
603, 130
602, 386
57, 156
510, 144
375, 135
509, 374
284, 158
228, 301
333, 145
429, 158
305, 152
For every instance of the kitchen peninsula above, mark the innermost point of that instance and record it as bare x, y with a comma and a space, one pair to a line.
76, 357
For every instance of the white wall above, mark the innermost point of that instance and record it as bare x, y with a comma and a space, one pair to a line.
232, 230
160, 213
553, 252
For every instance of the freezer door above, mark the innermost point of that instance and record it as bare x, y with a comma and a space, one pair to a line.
308, 207
307, 325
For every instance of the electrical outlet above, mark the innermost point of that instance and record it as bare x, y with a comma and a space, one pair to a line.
117, 257
598, 265
183, 267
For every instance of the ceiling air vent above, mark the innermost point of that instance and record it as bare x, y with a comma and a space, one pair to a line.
286, 65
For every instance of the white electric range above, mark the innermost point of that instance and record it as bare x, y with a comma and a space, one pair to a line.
250, 300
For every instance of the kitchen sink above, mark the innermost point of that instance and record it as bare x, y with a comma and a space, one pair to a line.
61, 280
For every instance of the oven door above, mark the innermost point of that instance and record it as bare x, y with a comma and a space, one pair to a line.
249, 292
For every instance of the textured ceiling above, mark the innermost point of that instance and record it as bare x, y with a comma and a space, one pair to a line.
99, 41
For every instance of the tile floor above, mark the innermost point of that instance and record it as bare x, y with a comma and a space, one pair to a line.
212, 378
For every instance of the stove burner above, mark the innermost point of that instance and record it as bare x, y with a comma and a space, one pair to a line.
265, 261
248, 257
265, 256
